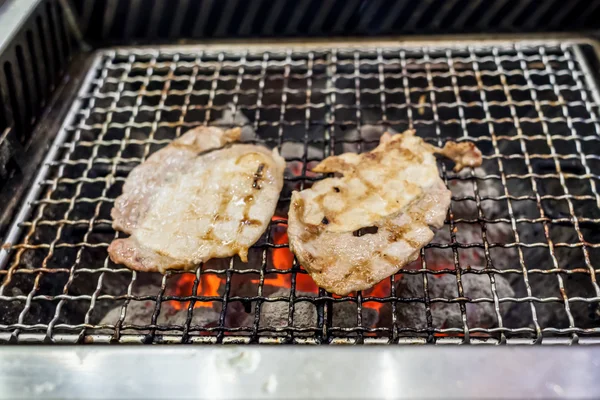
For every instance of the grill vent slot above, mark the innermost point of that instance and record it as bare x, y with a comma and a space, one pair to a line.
37, 78
30, 67
3, 111
26, 79
47, 56
54, 42
225, 18
14, 102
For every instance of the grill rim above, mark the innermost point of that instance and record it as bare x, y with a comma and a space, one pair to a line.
344, 45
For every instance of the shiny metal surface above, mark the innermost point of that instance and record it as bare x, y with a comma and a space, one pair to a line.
13, 14
299, 372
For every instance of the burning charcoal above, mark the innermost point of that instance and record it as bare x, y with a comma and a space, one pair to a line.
537, 191
140, 313
369, 134
229, 119
276, 313
305, 314
295, 150
447, 315
137, 313
345, 315
560, 229
295, 153
39, 311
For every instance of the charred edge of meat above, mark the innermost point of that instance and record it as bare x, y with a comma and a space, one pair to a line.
258, 175
369, 230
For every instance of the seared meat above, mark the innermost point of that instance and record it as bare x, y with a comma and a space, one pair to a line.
195, 200
464, 154
392, 195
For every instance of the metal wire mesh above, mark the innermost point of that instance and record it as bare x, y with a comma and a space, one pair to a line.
514, 262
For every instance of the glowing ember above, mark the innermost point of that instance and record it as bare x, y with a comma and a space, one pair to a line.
283, 260
295, 167
208, 286
382, 289
304, 283
439, 267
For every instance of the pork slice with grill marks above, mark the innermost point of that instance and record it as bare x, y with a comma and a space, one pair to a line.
200, 197
393, 195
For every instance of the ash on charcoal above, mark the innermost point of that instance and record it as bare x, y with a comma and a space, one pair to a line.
275, 314
231, 118
345, 315
140, 313
471, 233
448, 315
73, 312
553, 206
370, 134
38, 313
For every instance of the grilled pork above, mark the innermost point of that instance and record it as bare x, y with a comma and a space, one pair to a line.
351, 232
200, 197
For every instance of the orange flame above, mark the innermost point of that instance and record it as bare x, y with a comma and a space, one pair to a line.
439, 267
208, 286
296, 167
382, 289
283, 260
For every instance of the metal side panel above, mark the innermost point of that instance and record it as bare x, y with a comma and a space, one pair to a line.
13, 14
35, 50
298, 373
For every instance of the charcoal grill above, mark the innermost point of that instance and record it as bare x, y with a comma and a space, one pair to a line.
91, 89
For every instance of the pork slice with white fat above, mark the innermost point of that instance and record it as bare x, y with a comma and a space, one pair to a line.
200, 197
351, 232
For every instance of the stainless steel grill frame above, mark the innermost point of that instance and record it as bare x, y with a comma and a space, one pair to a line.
147, 96
241, 372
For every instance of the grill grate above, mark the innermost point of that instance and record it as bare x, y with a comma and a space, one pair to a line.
529, 216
